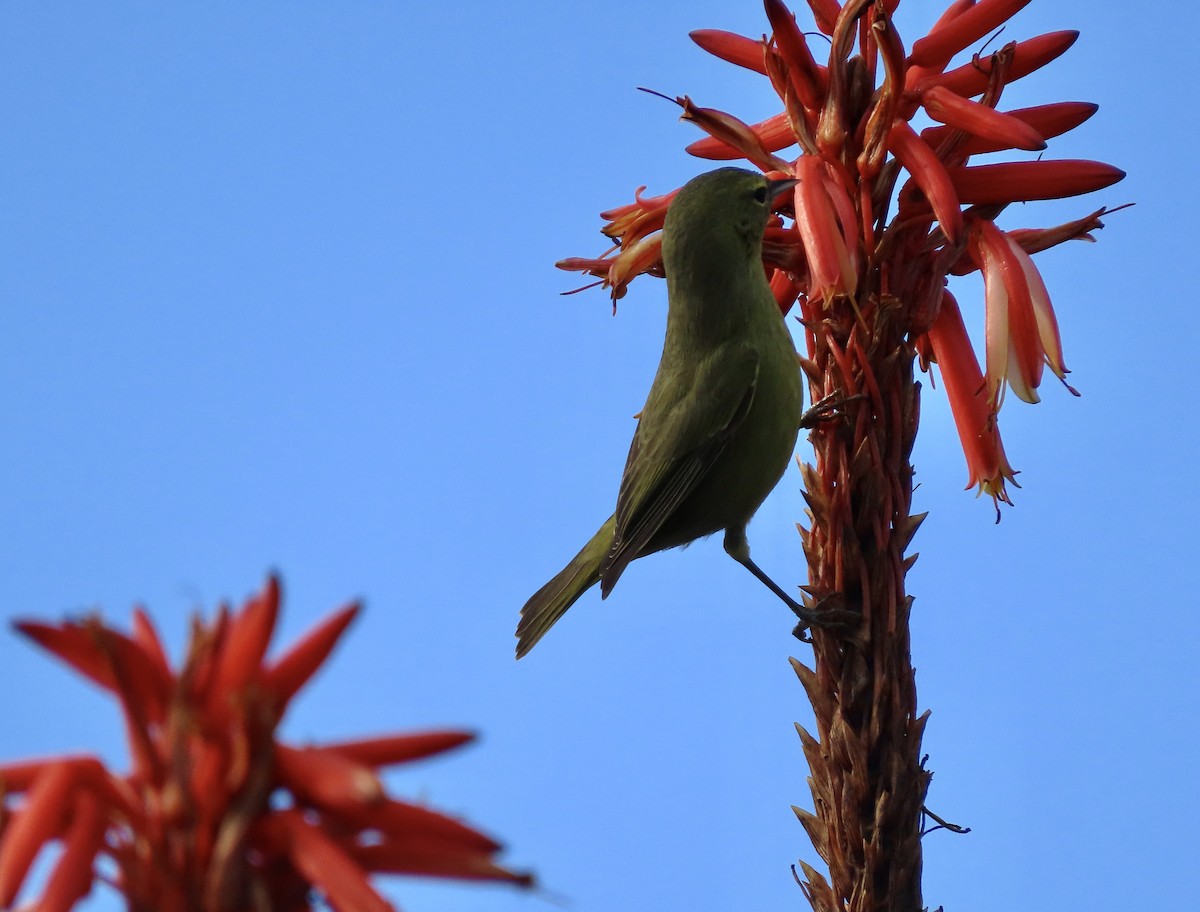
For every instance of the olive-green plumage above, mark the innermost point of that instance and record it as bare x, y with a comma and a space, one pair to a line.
721, 421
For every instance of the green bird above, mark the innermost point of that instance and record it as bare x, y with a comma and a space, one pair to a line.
721, 421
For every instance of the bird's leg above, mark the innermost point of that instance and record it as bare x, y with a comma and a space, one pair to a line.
825, 408
738, 548
807, 618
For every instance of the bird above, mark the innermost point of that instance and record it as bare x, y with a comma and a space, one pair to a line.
721, 420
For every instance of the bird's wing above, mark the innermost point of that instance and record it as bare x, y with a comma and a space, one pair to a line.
678, 439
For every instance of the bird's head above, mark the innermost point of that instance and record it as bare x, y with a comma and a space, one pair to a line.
728, 206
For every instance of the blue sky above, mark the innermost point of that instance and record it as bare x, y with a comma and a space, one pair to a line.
278, 292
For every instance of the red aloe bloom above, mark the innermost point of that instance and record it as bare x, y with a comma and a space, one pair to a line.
974, 415
216, 813
883, 214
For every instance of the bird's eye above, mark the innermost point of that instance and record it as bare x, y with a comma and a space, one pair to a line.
760, 194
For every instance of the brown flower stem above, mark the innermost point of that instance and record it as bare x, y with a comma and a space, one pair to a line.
867, 782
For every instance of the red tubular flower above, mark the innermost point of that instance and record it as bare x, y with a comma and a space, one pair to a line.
953, 34
823, 238
219, 815
1014, 351
1047, 121
736, 49
772, 134
974, 416
1019, 182
973, 78
825, 14
71, 879
804, 76
929, 174
979, 120
850, 115
1022, 330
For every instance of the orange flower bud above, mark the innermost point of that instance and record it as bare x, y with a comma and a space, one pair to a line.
736, 49
1012, 182
772, 134
979, 120
949, 37
1048, 121
929, 174
972, 78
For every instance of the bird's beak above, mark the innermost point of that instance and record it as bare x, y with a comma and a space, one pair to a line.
776, 187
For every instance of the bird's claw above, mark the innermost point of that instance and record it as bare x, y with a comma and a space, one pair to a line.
834, 620
826, 408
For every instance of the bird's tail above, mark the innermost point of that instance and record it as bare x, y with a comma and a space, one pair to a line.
550, 602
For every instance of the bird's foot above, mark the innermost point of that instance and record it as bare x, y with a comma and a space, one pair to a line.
827, 614
826, 408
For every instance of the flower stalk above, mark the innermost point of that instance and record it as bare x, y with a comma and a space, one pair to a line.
881, 216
